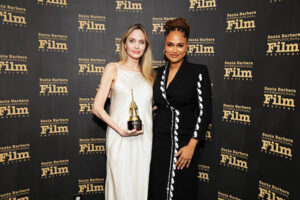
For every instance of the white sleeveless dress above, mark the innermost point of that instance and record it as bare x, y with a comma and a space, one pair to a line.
128, 158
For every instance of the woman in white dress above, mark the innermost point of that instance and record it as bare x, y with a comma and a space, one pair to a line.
128, 151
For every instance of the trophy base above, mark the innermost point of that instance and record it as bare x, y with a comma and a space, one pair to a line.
134, 125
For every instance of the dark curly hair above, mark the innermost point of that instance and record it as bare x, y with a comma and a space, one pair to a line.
179, 24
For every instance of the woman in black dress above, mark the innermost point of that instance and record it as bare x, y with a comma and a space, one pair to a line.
182, 95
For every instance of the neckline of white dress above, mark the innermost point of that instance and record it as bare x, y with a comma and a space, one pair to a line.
130, 71
118, 67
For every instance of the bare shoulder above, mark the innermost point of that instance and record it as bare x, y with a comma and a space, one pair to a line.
110, 71
111, 67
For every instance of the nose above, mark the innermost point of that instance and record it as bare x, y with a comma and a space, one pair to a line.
174, 49
136, 45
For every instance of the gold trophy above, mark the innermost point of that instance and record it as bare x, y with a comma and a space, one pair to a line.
134, 121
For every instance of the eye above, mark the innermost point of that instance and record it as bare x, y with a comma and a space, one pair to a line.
180, 45
142, 42
131, 40
169, 44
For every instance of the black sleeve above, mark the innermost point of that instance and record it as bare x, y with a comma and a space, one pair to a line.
205, 102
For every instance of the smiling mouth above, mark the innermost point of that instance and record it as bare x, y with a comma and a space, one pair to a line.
174, 55
136, 52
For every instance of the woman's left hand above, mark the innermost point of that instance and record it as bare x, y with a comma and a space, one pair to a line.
186, 154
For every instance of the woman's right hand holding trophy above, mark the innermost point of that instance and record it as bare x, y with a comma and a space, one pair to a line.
134, 124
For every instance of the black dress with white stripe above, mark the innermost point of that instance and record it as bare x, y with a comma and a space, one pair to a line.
184, 110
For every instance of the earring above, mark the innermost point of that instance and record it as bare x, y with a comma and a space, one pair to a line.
164, 51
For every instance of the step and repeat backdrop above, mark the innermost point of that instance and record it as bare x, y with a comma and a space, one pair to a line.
52, 55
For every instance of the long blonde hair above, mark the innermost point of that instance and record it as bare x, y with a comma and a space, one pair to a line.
146, 59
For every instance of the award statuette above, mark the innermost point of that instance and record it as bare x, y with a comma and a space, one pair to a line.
134, 121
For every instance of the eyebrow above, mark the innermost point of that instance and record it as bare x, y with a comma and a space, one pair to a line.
176, 43
135, 39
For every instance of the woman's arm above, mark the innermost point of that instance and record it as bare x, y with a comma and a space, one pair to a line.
107, 80
204, 101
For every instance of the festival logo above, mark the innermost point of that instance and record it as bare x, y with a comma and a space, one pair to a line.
158, 24
53, 86
269, 191
91, 66
12, 15
12, 108
201, 47
236, 114
52, 42
117, 45
14, 153
51, 169
50, 127
129, 6
158, 63
91, 145
91, 23
202, 5
277, 145
283, 45
241, 21
282, 98
85, 105
208, 133
275, 1
224, 196
22, 194
234, 159
56, 3
203, 173
238, 70
13, 64
91, 186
